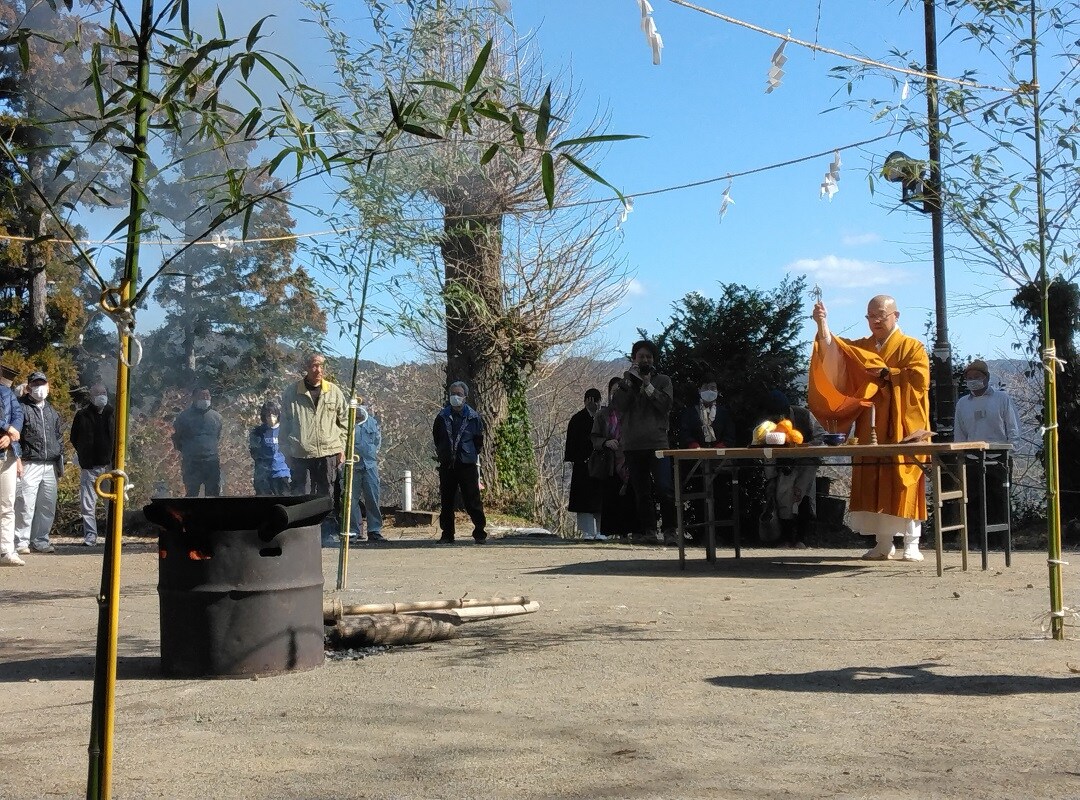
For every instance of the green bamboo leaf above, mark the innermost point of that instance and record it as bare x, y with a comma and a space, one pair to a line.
395, 110
437, 84
589, 172
543, 118
253, 34
606, 137
416, 130
489, 154
478, 68
547, 176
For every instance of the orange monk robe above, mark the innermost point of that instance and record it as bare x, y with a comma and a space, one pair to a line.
842, 390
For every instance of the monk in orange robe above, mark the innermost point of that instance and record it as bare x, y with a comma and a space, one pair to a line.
882, 379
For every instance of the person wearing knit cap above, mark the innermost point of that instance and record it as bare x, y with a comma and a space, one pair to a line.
986, 414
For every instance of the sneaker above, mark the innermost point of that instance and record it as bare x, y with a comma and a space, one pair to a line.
23, 550
444, 539
911, 553
670, 538
46, 549
90, 541
588, 537
600, 537
480, 539
11, 560
375, 536
878, 553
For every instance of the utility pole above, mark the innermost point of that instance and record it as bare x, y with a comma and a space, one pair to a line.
941, 374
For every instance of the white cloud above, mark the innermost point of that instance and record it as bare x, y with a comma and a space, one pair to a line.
858, 239
635, 287
833, 272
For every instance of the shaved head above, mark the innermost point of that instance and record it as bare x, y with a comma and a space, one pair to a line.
882, 316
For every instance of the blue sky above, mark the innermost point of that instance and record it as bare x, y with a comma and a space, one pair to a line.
705, 113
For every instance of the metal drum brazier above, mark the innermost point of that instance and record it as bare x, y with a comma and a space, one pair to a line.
239, 584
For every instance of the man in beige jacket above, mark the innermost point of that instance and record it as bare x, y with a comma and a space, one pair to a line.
314, 427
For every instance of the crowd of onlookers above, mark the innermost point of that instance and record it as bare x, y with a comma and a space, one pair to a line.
619, 488
618, 484
32, 462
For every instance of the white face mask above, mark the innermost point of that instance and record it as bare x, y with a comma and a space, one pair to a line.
361, 415
100, 400
457, 401
975, 385
202, 405
708, 395
39, 393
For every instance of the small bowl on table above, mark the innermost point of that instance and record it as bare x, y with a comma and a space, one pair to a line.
834, 439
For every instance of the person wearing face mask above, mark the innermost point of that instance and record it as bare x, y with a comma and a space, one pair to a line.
11, 422
196, 434
585, 490
271, 474
644, 397
892, 371
706, 423
986, 414
618, 516
368, 440
92, 436
41, 467
458, 432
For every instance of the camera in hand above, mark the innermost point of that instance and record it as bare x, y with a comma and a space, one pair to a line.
645, 369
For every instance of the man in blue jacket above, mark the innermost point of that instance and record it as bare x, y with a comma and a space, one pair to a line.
368, 440
459, 436
11, 423
41, 446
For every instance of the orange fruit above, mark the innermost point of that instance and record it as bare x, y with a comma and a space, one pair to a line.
785, 426
795, 436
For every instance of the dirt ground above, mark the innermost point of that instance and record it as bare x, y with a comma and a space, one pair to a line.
795, 674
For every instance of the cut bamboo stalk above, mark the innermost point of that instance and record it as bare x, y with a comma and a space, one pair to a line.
476, 613
334, 610
372, 629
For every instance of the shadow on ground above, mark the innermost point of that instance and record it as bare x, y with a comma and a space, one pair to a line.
902, 680
78, 667
782, 567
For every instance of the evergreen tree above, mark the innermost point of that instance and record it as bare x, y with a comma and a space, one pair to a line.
747, 338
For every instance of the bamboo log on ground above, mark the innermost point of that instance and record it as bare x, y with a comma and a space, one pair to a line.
376, 629
333, 610
476, 613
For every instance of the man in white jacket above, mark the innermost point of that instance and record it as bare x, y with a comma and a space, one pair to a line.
986, 414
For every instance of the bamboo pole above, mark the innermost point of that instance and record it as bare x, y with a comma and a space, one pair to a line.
334, 610
345, 513
477, 613
1049, 362
103, 706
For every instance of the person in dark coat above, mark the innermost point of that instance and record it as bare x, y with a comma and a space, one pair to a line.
706, 423
92, 437
618, 511
585, 490
791, 485
196, 434
42, 466
458, 432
